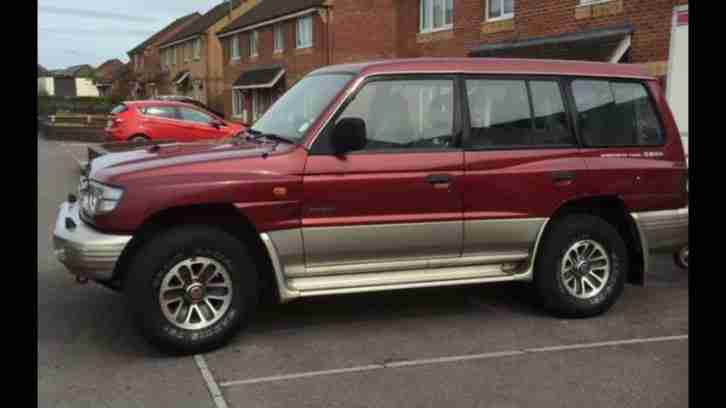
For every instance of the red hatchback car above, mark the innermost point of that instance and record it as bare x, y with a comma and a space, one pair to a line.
166, 120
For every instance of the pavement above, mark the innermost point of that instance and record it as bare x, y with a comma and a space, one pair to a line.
479, 346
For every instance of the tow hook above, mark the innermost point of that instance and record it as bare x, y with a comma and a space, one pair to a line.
81, 280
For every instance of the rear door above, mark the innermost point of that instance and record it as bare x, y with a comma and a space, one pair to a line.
398, 199
522, 161
199, 125
625, 145
160, 122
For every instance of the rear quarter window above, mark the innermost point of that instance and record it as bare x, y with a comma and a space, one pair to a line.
119, 109
615, 114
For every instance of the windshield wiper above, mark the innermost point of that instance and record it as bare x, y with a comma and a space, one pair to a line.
256, 135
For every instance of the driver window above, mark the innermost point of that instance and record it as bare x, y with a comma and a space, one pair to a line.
192, 115
402, 114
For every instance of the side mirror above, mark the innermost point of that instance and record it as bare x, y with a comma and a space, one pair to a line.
215, 123
349, 135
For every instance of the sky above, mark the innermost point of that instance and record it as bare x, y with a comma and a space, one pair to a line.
74, 32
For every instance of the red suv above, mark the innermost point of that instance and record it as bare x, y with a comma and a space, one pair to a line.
392, 175
150, 120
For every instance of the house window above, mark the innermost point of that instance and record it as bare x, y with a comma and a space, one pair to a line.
499, 10
588, 2
436, 15
197, 45
235, 47
305, 32
279, 39
253, 44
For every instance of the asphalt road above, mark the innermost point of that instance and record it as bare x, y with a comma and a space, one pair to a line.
486, 346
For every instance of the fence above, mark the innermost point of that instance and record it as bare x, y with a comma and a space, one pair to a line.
51, 105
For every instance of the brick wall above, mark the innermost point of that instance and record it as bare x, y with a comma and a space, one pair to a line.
297, 62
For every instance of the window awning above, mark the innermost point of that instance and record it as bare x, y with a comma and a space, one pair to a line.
259, 78
604, 45
181, 77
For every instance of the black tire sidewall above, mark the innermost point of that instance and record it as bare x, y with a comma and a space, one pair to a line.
565, 233
159, 256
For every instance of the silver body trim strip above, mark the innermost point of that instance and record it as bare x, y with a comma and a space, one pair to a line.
295, 281
83, 250
662, 230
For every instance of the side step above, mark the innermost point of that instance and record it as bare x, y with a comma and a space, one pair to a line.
369, 282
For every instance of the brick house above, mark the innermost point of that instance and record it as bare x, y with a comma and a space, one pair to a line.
340, 31
146, 64
103, 75
192, 58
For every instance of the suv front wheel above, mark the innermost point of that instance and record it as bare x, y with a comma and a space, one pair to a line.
191, 288
582, 267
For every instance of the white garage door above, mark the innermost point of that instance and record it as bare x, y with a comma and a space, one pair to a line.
677, 84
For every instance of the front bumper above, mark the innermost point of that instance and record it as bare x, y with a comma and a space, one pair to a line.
83, 250
663, 230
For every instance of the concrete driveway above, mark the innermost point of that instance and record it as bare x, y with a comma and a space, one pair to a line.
486, 346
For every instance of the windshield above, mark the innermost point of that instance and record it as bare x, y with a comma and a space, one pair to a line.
292, 114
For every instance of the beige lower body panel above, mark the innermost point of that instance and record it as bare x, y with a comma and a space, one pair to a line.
663, 230
493, 254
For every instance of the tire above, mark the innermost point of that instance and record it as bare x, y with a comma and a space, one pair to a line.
139, 139
578, 299
681, 258
156, 266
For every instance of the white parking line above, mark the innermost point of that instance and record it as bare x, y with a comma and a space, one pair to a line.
212, 386
451, 359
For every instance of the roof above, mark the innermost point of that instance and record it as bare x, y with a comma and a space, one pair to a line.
519, 66
592, 45
42, 71
174, 24
73, 71
116, 74
204, 22
268, 10
265, 77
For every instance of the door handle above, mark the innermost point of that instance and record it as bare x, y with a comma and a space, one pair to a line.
563, 176
439, 181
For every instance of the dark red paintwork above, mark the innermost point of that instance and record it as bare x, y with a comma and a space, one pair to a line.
391, 188
132, 122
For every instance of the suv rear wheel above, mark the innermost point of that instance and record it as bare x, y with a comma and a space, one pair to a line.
582, 268
191, 288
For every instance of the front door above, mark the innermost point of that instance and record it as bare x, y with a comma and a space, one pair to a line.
522, 162
398, 199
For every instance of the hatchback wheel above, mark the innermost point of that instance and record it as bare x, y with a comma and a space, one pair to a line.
582, 267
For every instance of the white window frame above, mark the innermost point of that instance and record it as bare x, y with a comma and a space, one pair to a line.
197, 48
278, 38
254, 36
504, 16
426, 7
304, 23
234, 51
591, 2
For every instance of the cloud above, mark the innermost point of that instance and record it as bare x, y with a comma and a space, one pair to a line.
67, 11
85, 31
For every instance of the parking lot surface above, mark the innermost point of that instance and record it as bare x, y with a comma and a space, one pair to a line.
485, 346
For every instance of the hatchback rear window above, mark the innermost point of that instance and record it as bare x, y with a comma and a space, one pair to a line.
615, 114
119, 109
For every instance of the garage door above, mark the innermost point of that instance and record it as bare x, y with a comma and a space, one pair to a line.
677, 84
65, 87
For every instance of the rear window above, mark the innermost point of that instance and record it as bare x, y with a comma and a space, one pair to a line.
513, 113
119, 109
615, 114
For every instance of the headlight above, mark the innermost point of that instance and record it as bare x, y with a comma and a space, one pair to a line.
97, 198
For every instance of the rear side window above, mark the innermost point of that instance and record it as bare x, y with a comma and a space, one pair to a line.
161, 112
119, 109
511, 113
615, 114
